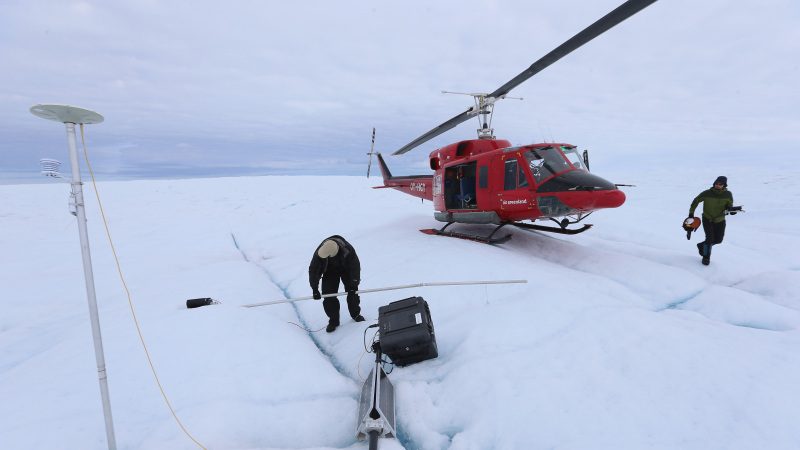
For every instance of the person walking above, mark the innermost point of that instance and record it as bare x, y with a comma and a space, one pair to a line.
716, 202
335, 259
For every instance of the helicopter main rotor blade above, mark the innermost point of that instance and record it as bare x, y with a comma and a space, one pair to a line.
607, 22
438, 130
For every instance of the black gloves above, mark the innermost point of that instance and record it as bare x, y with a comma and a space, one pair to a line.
317, 295
732, 210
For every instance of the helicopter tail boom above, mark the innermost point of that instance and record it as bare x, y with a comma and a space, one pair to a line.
417, 185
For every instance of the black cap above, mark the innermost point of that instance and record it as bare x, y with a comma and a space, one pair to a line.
721, 180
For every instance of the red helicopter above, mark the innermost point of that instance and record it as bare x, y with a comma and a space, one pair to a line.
487, 181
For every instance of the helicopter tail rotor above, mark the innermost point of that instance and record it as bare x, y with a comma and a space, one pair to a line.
371, 152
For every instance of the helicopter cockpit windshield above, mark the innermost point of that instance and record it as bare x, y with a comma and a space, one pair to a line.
574, 157
545, 162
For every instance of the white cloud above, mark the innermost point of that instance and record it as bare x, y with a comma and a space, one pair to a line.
317, 75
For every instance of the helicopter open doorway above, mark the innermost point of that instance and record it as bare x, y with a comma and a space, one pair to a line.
460, 186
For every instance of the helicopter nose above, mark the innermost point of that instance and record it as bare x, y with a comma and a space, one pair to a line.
609, 199
591, 200
584, 191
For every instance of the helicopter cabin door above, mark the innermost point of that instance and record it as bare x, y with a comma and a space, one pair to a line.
460, 186
515, 192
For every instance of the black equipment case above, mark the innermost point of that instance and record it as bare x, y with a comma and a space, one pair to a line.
406, 331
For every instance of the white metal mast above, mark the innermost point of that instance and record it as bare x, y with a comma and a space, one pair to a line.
69, 116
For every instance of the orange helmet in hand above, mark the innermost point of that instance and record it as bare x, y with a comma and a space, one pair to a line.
691, 224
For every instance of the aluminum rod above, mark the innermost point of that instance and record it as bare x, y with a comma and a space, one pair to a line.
77, 190
373, 440
390, 288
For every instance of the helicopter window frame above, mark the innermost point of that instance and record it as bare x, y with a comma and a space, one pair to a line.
522, 178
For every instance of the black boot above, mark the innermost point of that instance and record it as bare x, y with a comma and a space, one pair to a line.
700, 248
705, 252
331, 327
358, 318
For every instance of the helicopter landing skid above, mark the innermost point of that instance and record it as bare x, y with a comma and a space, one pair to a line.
559, 230
470, 237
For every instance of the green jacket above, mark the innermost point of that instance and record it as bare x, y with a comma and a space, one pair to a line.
715, 202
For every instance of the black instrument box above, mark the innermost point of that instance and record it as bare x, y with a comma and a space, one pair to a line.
406, 331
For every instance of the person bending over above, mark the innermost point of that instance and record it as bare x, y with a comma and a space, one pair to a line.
335, 259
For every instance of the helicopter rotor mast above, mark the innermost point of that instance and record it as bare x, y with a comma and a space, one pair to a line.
484, 102
484, 105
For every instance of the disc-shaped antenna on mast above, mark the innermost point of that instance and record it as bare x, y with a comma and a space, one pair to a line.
66, 114
71, 116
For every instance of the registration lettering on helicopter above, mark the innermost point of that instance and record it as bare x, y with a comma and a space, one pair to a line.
417, 186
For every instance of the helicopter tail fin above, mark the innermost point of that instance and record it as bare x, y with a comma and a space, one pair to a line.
387, 175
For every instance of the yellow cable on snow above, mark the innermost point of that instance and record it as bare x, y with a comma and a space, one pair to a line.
130, 301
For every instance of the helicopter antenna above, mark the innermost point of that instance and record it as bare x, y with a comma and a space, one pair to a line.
371, 151
485, 101
485, 108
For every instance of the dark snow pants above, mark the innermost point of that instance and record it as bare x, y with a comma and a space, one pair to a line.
715, 232
330, 285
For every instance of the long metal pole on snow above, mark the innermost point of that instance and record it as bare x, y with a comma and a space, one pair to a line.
390, 288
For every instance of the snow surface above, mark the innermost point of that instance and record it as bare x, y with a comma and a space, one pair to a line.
620, 340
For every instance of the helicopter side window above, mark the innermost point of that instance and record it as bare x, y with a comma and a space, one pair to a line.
514, 176
510, 179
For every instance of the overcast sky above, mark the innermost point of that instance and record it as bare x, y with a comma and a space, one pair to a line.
193, 88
